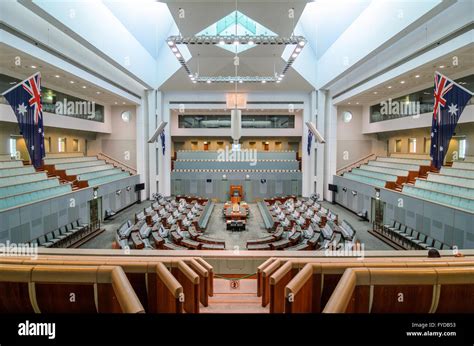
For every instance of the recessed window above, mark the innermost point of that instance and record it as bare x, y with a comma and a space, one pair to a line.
13, 152
62, 145
462, 148
47, 144
398, 145
427, 145
412, 145
75, 145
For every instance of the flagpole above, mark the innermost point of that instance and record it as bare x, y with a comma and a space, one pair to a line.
459, 86
13, 87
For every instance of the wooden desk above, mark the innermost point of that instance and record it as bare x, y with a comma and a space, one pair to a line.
191, 244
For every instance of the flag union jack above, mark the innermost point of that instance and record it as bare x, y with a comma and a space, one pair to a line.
449, 101
25, 100
33, 87
442, 86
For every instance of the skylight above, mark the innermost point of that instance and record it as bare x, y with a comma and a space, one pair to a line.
236, 23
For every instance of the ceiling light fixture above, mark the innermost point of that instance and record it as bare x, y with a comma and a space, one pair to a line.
84, 87
417, 76
72, 82
297, 41
375, 93
98, 92
441, 66
33, 66
57, 76
390, 87
402, 82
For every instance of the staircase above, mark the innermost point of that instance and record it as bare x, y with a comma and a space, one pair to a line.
242, 299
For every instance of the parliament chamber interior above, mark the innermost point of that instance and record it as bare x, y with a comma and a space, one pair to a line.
237, 157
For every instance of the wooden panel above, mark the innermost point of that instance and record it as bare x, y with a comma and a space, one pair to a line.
330, 282
402, 298
107, 300
14, 298
300, 300
162, 299
138, 282
65, 297
456, 299
191, 291
360, 300
277, 292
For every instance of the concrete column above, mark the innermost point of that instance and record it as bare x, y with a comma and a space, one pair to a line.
152, 157
320, 120
142, 146
164, 161
330, 152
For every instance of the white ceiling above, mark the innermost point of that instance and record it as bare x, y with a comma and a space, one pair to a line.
49, 72
408, 82
215, 61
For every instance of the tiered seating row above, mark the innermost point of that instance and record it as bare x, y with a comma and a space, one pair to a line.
20, 188
446, 179
438, 197
11, 164
463, 173
84, 171
449, 189
25, 178
33, 196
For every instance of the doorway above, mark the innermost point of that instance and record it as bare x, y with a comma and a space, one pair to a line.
378, 207
95, 214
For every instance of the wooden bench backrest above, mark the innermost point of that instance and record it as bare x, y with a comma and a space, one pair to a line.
66, 289
325, 277
404, 290
141, 271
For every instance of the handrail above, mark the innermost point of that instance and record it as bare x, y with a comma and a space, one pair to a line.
115, 162
355, 164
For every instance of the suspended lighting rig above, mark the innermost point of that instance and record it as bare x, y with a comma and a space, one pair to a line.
298, 41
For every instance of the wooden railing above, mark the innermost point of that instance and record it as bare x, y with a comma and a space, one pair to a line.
117, 163
355, 164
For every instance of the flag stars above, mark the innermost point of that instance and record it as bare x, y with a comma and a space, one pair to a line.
453, 109
22, 109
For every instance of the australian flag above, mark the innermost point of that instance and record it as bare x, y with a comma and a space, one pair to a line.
25, 100
163, 142
310, 141
449, 101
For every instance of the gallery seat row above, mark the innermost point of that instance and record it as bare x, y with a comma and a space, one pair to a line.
170, 224
301, 224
